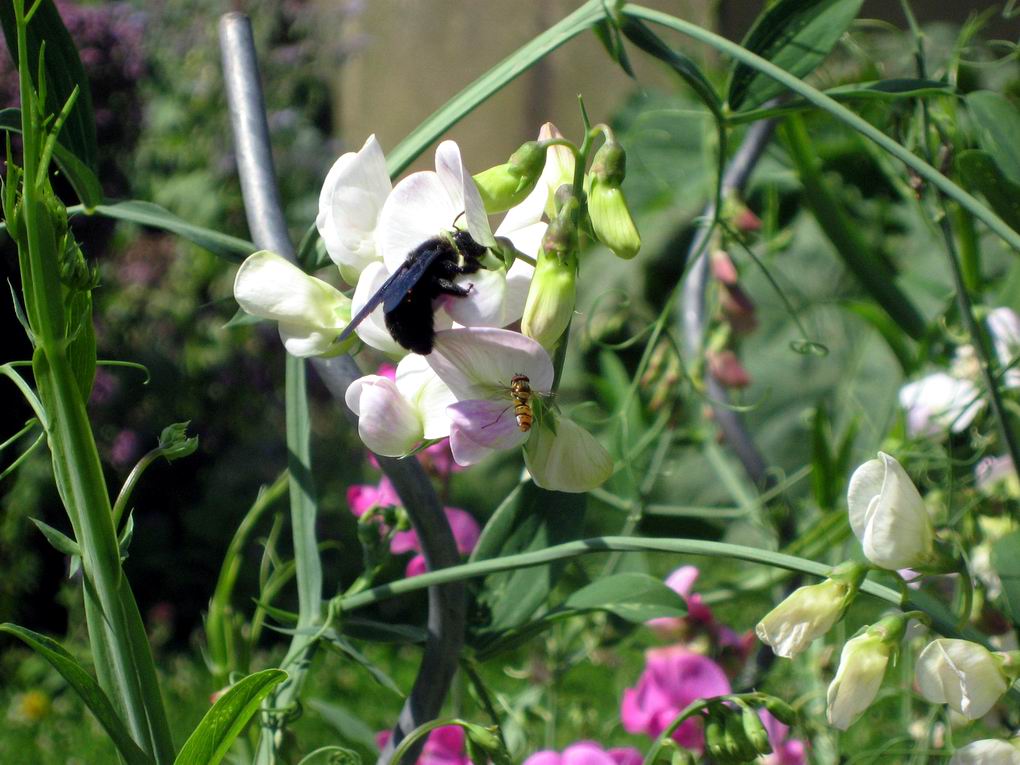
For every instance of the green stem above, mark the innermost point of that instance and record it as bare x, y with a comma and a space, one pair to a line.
218, 627
840, 112
129, 484
116, 633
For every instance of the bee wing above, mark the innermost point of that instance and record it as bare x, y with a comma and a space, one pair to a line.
408, 275
394, 288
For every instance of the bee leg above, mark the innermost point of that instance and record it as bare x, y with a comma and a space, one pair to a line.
449, 287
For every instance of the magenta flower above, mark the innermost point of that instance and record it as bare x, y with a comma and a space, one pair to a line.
673, 678
444, 746
785, 750
361, 498
586, 753
681, 581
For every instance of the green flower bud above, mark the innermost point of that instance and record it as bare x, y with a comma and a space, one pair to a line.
715, 736
755, 731
483, 745
781, 710
607, 206
740, 747
506, 185
175, 442
553, 291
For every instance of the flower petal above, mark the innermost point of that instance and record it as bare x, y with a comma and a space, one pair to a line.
418, 209
303, 341
571, 460
476, 361
373, 329
462, 190
427, 393
483, 306
479, 427
352, 196
387, 423
939, 402
962, 674
271, 287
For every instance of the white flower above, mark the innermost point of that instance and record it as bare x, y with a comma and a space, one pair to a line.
862, 666
806, 614
310, 313
940, 402
394, 416
478, 363
962, 674
349, 205
888, 515
988, 751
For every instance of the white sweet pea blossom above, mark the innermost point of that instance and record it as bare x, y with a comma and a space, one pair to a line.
962, 674
477, 364
862, 666
349, 204
310, 313
806, 614
942, 402
888, 515
988, 751
394, 416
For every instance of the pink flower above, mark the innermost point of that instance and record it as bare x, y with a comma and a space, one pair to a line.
361, 498
681, 581
586, 753
444, 746
673, 678
785, 751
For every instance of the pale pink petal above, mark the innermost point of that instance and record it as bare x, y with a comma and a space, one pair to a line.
418, 209
387, 423
489, 423
483, 306
373, 329
427, 393
477, 362
940, 402
462, 191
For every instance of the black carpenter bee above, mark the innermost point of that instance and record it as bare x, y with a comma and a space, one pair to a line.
407, 295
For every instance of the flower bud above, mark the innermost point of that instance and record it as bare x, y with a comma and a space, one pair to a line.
550, 303
862, 666
988, 751
962, 674
607, 206
809, 612
888, 516
505, 186
754, 731
310, 313
780, 710
484, 746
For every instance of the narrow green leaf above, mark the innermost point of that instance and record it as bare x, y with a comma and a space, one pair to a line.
346, 723
996, 127
631, 596
57, 539
643, 37
209, 742
149, 214
821, 458
1006, 563
344, 646
86, 687
795, 35
609, 35
79, 175
889, 330
981, 173
63, 71
531, 519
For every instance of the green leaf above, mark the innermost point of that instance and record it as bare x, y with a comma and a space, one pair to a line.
57, 539
209, 742
149, 214
631, 596
1006, 563
795, 35
347, 724
79, 175
86, 688
890, 331
980, 172
63, 71
609, 35
529, 519
996, 127
643, 37
344, 646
